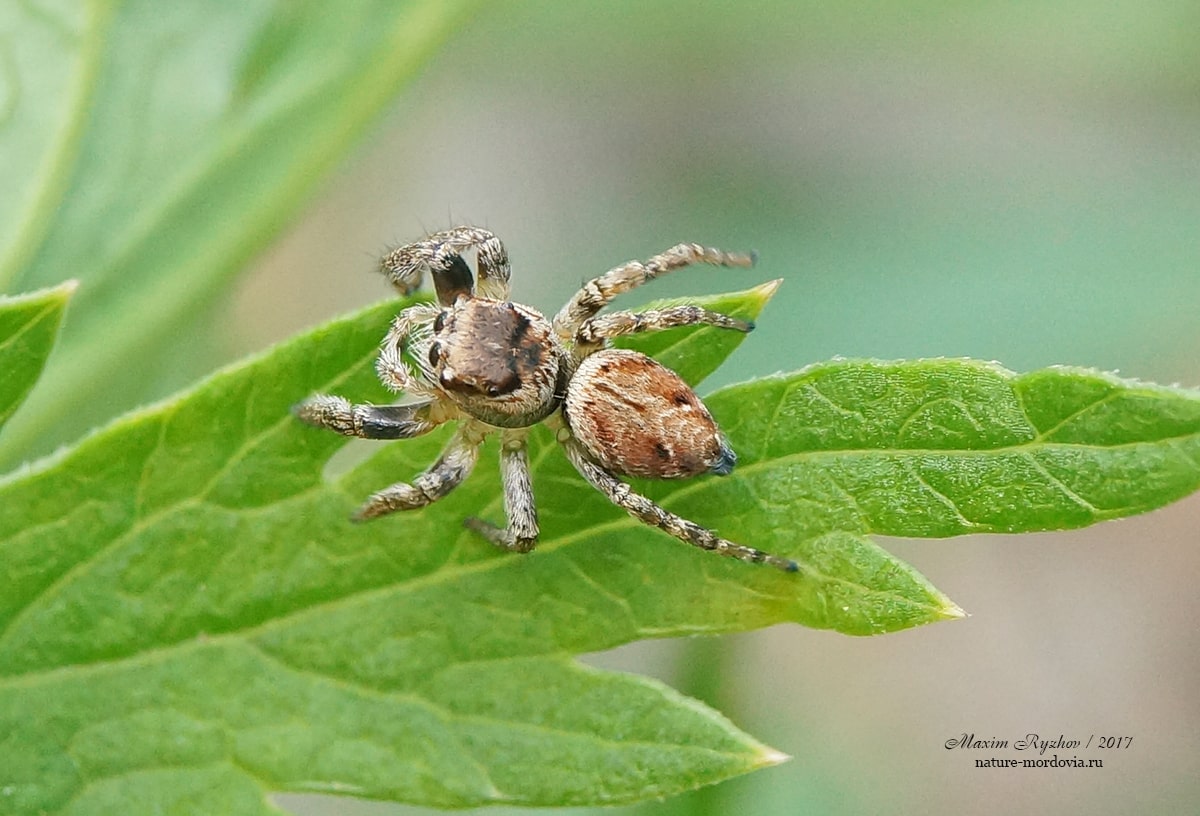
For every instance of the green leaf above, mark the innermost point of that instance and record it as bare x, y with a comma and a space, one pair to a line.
937, 448
694, 352
184, 598
28, 327
166, 586
150, 150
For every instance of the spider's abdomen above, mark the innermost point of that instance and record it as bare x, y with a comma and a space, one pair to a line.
497, 360
636, 417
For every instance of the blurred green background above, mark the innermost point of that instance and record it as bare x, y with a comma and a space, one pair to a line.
1010, 181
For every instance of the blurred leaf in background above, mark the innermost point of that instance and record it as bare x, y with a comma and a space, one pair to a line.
28, 327
932, 179
150, 150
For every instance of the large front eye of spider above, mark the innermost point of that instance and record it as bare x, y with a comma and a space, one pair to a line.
497, 360
638, 418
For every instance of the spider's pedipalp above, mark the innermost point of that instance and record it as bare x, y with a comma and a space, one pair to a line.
448, 472
599, 292
521, 535
596, 330
650, 513
410, 331
367, 421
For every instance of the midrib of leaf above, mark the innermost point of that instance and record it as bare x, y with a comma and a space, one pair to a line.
267, 625
1026, 450
238, 635
28, 326
61, 158
448, 714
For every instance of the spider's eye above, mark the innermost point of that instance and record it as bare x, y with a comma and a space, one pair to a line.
435, 351
439, 322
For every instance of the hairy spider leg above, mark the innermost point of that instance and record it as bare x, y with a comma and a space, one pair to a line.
596, 330
650, 513
448, 472
521, 534
367, 421
599, 292
441, 253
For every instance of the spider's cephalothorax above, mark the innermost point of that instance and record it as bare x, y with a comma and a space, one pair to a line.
497, 361
500, 367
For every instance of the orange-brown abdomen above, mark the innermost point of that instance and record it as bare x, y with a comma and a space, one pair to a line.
636, 417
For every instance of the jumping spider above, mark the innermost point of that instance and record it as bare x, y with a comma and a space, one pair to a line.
500, 367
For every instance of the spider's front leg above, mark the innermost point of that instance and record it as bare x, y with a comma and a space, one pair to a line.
522, 532
441, 253
596, 330
367, 421
650, 513
598, 293
448, 472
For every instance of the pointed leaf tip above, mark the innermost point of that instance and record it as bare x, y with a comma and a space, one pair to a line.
694, 352
29, 325
769, 757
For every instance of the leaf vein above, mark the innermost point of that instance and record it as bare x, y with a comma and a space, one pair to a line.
1066, 491
29, 325
1109, 397
941, 497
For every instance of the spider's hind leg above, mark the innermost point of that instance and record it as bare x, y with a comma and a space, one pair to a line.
521, 535
651, 514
